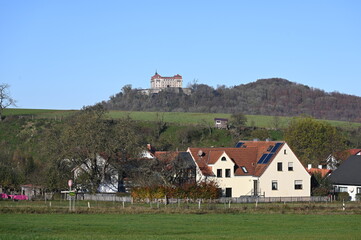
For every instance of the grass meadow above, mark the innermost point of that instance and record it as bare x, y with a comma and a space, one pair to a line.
179, 226
113, 220
171, 117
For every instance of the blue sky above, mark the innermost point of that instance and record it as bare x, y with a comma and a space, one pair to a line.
68, 54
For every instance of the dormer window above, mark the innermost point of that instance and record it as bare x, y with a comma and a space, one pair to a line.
223, 159
244, 169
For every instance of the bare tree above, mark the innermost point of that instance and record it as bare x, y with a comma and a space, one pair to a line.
5, 99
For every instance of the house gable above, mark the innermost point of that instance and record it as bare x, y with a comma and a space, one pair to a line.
285, 176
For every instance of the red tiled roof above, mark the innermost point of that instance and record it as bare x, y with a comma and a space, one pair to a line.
323, 172
166, 156
174, 77
354, 151
246, 156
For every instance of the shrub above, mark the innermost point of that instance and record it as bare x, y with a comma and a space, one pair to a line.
204, 190
343, 196
358, 196
320, 191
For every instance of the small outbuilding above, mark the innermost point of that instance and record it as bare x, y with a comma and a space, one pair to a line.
221, 123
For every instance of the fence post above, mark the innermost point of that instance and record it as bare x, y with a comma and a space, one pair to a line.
199, 204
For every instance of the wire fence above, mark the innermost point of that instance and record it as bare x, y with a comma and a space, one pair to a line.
245, 199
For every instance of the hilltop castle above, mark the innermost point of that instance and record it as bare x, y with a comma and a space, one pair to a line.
159, 83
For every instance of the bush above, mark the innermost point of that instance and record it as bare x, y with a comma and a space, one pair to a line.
358, 196
343, 196
204, 190
320, 191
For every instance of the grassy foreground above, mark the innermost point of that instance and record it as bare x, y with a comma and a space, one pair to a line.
179, 226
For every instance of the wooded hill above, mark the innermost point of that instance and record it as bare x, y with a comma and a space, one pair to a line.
274, 96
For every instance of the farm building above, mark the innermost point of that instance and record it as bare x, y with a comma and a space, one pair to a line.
221, 123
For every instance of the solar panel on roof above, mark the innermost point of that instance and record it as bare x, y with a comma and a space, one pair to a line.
260, 161
239, 144
269, 156
275, 148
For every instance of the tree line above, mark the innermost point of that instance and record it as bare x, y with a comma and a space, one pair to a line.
47, 152
275, 96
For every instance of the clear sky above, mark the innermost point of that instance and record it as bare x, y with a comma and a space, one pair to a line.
66, 54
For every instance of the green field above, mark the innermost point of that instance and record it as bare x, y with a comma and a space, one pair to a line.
179, 226
170, 117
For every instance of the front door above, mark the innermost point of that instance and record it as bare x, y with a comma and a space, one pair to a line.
255, 188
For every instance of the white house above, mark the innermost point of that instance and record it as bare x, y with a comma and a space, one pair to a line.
109, 177
334, 160
253, 168
347, 177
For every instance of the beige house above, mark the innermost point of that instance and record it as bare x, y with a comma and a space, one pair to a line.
253, 168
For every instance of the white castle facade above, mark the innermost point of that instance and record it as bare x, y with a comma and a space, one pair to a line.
159, 83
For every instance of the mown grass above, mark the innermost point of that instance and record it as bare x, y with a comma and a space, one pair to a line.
179, 226
172, 117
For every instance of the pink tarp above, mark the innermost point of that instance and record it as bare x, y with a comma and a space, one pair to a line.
14, 197
3, 195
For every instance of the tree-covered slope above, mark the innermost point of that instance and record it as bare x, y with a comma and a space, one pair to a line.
264, 97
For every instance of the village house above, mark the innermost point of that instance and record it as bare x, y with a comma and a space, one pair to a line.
347, 178
334, 160
253, 168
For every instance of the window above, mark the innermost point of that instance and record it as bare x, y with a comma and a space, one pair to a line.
228, 172
223, 158
342, 189
298, 184
228, 192
358, 190
219, 172
244, 169
290, 166
279, 166
285, 152
274, 185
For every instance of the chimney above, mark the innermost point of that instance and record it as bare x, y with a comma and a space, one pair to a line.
149, 147
309, 166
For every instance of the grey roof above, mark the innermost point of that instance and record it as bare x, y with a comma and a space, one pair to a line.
186, 157
349, 172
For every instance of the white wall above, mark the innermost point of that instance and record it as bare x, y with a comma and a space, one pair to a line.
285, 178
350, 189
241, 185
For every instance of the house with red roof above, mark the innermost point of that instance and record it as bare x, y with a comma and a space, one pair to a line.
334, 160
253, 168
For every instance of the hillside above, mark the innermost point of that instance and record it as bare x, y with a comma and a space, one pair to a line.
274, 96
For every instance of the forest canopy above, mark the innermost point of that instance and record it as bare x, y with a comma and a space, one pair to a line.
275, 96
